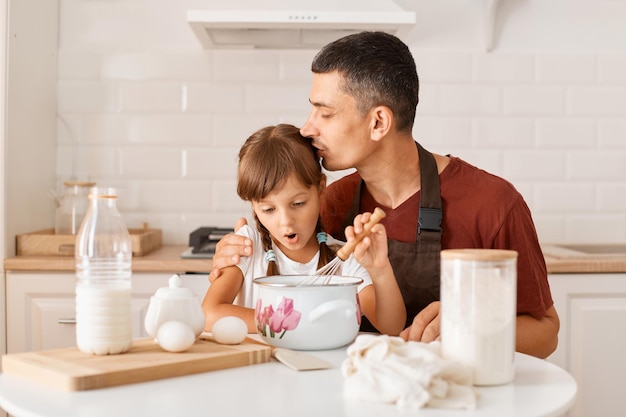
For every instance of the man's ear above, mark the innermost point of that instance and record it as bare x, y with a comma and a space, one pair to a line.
381, 119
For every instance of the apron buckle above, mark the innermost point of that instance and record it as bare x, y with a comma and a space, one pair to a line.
429, 219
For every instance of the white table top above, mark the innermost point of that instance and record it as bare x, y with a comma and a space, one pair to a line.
274, 390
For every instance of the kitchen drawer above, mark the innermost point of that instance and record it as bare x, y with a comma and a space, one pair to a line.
41, 306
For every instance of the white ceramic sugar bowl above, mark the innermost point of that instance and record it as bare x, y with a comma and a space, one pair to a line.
174, 303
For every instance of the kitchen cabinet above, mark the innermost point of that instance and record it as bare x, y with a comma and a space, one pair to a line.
40, 306
592, 339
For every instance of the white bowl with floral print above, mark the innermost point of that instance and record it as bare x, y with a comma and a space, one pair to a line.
299, 316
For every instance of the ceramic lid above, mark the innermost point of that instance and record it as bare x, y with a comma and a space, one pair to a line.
175, 290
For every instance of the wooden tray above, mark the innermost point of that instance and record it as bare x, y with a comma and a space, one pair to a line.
72, 370
46, 243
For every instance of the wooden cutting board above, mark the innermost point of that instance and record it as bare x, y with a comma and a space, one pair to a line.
72, 370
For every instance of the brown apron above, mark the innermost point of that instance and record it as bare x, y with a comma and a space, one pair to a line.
415, 265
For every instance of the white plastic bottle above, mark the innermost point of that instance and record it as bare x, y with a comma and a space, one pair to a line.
103, 268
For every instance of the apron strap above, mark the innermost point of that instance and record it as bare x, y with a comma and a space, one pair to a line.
430, 211
416, 265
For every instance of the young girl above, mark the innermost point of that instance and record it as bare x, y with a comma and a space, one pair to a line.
282, 178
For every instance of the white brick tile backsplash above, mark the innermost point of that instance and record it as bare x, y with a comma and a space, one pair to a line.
562, 197
128, 193
170, 224
527, 190
174, 195
503, 132
612, 133
443, 134
69, 128
218, 218
292, 68
225, 199
534, 165
550, 227
277, 98
121, 25
158, 66
212, 98
563, 133
610, 197
598, 101
440, 68
104, 129
84, 163
488, 160
430, 100
215, 163
596, 165
566, 69
170, 129
79, 65
154, 114
152, 163
534, 101
86, 97
471, 100
505, 68
235, 66
595, 228
612, 69
232, 131
158, 97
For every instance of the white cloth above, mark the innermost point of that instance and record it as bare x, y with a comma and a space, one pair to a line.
410, 374
255, 266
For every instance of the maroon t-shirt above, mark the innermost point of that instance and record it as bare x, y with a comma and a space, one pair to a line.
480, 210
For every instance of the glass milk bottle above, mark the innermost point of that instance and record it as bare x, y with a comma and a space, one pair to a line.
478, 311
103, 268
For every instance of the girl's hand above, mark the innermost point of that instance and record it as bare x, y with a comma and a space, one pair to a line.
371, 252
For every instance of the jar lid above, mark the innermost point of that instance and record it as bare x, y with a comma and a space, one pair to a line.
175, 291
479, 254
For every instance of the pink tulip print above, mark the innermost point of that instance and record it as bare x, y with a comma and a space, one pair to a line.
278, 321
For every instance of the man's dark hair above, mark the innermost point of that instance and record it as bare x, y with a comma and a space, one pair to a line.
377, 69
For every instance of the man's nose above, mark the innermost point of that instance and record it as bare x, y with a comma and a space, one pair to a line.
308, 130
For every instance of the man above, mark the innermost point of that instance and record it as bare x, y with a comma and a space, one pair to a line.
364, 96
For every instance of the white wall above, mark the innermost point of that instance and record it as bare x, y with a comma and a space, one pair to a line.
3, 52
144, 108
3, 95
29, 166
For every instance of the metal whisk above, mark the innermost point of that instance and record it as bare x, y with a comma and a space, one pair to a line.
327, 271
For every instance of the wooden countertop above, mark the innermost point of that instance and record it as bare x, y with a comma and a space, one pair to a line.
167, 259
585, 265
164, 259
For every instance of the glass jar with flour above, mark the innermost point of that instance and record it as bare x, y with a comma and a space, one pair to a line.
478, 311
71, 207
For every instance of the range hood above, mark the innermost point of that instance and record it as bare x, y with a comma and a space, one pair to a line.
292, 23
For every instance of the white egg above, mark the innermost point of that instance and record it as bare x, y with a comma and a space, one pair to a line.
229, 330
175, 336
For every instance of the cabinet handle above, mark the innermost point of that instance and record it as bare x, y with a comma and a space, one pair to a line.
67, 321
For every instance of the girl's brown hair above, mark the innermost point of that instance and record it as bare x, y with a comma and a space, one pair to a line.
266, 160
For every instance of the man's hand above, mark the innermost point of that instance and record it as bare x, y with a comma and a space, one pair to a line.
229, 249
426, 325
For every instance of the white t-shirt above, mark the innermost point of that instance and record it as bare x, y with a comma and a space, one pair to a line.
255, 266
